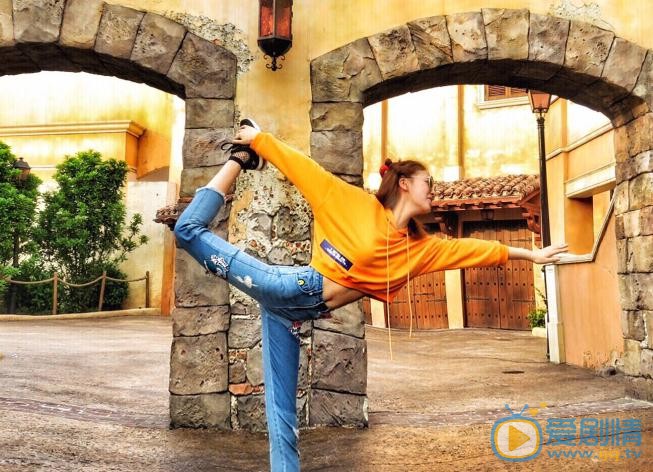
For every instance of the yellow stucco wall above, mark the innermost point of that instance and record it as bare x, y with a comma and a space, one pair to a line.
281, 100
500, 140
84, 99
424, 125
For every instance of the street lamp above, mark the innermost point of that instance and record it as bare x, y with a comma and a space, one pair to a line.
25, 169
275, 29
540, 102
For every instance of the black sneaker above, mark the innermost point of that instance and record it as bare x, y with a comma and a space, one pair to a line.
246, 158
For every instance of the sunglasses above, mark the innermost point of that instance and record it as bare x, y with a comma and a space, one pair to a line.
430, 181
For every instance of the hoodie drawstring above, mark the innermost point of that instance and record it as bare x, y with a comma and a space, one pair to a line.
387, 283
410, 305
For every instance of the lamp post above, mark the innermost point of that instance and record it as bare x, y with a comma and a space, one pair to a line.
540, 102
275, 29
25, 169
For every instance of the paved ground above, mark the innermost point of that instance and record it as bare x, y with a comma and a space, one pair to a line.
91, 395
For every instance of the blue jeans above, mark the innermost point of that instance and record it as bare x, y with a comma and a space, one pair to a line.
287, 296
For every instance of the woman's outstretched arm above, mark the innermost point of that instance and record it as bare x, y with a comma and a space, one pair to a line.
546, 255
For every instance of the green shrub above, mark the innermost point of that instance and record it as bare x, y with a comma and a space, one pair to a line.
85, 299
33, 299
83, 230
537, 317
5, 273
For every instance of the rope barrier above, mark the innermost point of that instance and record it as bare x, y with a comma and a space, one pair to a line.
70, 284
36, 282
33, 282
103, 279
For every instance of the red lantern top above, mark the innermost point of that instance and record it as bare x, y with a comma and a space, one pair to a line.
275, 28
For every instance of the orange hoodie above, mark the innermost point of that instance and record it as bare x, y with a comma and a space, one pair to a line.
356, 242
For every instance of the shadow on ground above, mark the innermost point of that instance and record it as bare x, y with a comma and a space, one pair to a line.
87, 395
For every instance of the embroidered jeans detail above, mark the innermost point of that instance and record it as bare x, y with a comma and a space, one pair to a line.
220, 266
295, 328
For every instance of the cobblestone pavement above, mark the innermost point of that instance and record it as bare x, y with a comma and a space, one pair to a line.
91, 395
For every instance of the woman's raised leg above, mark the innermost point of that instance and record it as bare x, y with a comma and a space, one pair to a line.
222, 259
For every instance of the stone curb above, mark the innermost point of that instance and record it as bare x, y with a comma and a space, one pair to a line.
80, 316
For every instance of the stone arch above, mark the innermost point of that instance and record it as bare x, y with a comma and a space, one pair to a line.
143, 47
571, 59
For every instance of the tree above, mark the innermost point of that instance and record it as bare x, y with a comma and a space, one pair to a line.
18, 195
82, 229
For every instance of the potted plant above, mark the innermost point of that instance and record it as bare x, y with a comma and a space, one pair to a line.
536, 320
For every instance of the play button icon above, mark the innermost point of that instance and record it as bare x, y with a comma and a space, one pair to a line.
516, 438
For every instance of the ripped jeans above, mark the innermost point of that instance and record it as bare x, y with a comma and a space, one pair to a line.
287, 296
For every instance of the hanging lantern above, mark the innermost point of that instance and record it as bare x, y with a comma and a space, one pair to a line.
275, 29
540, 101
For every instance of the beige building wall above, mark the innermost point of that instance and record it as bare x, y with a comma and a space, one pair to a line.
500, 135
592, 324
156, 257
423, 126
580, 168
450, 127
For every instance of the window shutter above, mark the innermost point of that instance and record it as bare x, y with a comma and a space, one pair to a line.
495, 92
499, 92
518, 92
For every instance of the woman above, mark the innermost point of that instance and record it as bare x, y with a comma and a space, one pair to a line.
363, 245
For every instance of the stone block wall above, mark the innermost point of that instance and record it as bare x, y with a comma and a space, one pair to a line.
634, 227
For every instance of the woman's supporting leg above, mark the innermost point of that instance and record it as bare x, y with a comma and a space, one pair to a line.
280, 370
257, 279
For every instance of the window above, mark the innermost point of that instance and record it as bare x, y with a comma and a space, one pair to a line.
499, 92
496, 96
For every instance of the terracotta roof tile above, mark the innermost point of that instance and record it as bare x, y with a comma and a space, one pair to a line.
168, 215
512, 187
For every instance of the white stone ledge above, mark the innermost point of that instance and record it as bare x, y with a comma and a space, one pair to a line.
91, 127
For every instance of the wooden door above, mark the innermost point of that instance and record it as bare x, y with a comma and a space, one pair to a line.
367, 309
499, 297
429, 304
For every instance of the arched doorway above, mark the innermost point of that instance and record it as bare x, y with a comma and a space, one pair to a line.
515, 48
95, 37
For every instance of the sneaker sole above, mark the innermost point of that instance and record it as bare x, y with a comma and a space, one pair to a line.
250, 122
